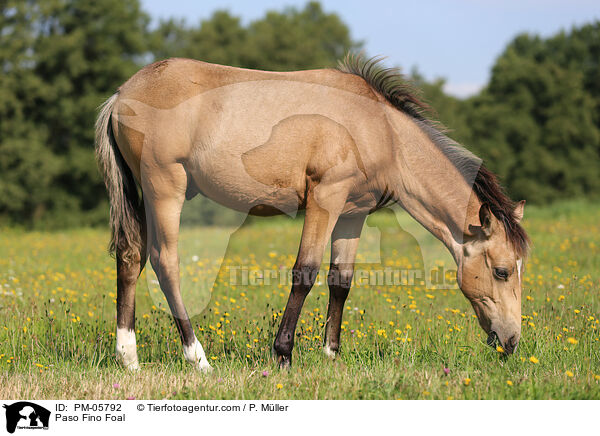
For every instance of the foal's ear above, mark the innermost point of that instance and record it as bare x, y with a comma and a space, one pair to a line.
518, 211
485, 218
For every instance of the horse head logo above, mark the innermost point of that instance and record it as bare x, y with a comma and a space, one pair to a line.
28, 415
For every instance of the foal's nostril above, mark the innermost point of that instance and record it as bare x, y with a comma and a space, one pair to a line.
491, 340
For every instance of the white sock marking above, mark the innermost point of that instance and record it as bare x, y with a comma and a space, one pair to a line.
194, 354
328, 351
126, 348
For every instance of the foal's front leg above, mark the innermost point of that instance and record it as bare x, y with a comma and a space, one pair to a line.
344, 244
318, 224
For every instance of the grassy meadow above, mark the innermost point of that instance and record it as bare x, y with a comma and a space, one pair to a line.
57, 319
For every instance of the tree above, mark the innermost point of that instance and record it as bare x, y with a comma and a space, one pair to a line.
60, 60
288, 40
220, 39
536, 123
297, 39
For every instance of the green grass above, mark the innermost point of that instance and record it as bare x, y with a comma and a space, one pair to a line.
57, 320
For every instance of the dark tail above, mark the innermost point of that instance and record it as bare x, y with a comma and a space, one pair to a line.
125, 211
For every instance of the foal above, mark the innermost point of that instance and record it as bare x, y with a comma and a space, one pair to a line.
339, 143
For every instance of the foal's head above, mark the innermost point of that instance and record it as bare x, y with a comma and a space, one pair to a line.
490, 269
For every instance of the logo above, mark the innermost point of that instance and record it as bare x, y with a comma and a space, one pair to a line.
26, 415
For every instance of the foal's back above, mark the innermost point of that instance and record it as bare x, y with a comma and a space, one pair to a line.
169, 82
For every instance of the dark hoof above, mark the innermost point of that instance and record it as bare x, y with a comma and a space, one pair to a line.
284, 362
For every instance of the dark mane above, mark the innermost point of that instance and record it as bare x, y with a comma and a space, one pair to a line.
392, 85
389, 82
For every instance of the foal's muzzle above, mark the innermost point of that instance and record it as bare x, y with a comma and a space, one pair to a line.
509, 345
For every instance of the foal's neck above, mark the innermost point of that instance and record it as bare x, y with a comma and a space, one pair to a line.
430, 187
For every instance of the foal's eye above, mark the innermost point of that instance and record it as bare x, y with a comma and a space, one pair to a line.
501, 273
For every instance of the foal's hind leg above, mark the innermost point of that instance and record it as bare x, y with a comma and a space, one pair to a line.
344, 244
318, 225
165, 196
128, 272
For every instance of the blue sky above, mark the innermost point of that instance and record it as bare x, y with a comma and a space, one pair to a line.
457, 40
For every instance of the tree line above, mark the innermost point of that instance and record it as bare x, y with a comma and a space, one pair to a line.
536, 123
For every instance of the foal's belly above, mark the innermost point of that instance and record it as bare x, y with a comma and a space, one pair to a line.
221, 175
